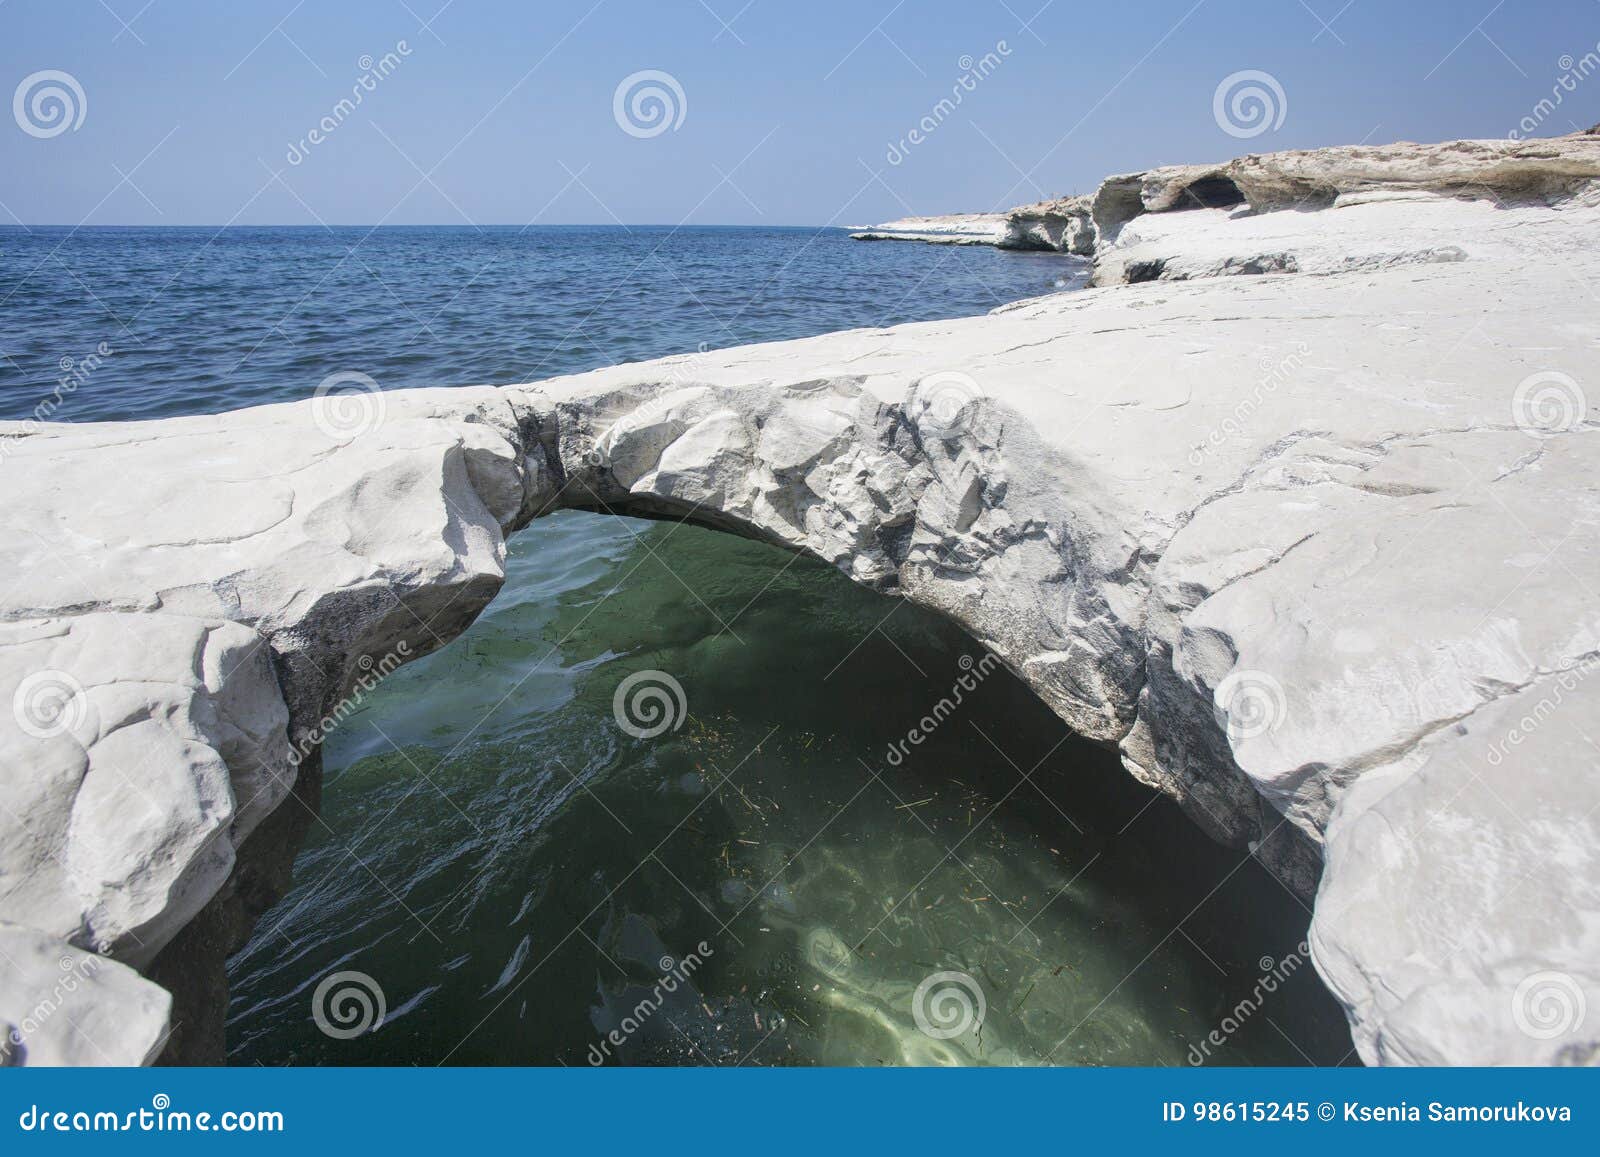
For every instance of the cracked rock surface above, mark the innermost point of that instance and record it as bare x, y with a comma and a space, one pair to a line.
1318, 551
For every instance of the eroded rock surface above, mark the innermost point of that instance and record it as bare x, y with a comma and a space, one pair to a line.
1501, 173
1317, 551
146, 749
1065, 225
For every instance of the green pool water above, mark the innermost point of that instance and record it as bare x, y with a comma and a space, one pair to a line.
780, 876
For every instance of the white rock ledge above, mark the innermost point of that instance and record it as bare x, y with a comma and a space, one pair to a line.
950, 229
1318, 551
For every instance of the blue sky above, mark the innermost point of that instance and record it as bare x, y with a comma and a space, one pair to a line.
502, 113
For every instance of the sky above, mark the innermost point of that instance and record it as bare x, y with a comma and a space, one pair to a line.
174, 112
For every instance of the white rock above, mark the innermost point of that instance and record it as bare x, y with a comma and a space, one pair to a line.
1457, 914
1502, 173
948, 229
163, 575
1355, 235
1065, 225
62, 1006
138, 753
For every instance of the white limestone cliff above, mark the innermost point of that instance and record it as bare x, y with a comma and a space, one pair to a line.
1501, 172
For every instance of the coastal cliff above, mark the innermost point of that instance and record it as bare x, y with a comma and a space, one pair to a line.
1090, 225
1314, 551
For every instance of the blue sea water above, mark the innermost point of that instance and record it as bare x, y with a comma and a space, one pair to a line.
203, 320
513, 873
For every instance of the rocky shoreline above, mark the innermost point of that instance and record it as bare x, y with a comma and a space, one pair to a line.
1315, 551
1089, 224
952, 229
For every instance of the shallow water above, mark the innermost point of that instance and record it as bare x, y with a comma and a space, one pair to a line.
516, 891
520, 876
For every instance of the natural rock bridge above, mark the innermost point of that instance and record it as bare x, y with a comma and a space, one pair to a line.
1316, 553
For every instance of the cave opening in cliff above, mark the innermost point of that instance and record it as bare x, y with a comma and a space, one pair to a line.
664, 743
1217, 192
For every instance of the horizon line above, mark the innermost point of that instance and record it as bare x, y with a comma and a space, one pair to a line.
26, 226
